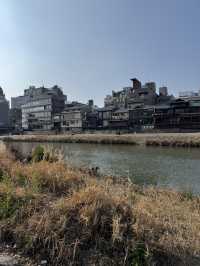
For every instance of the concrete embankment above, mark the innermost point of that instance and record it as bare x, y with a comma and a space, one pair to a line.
156, 139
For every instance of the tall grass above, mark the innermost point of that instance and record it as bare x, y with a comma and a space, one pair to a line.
70, 217
78, 138
154, 139
174, 142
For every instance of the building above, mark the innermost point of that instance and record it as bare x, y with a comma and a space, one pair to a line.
136, 84
15, 119
43, 104
15, 115
108, 100
180, 114
17, 102
164, 98
132, 97
4, 111
119, 119
188, 94
132, 107
74, 116
163, 91
142, 95
111, 118
105, 116
91, 119
141, 118
137, 96
118, 99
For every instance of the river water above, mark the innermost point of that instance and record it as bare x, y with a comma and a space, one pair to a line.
177, 168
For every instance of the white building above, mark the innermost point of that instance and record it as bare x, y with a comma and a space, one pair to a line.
38, 112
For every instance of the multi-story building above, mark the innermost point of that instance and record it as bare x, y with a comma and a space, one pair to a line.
138, 95
15, 115
141, 117
74, 116
134, 96
119, 119
38, 112
189, 94
118, 99
163, 91
17, 102
4, 110
179, 114
142, 95
91, 120
105, 116
132, 107
15, 119
164, 98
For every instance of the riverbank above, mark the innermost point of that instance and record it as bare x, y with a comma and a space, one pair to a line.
155, 139
51, 211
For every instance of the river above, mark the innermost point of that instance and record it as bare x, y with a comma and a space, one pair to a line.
177, 168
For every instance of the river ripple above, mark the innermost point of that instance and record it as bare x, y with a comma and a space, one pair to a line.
177, 168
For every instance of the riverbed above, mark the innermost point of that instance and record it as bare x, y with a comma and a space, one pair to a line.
177, 168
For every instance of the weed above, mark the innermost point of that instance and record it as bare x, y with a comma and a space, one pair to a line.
188, 195
38, 154
71, 217
140, 256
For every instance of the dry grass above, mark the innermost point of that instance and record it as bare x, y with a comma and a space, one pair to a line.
72, 218
153, 139
174, 142
77, 138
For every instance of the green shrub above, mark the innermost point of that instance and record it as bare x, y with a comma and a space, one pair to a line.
140, 256
38, 154
1, 174
9, 202
7, 206
188, 195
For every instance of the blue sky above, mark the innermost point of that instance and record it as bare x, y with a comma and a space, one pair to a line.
91, 47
